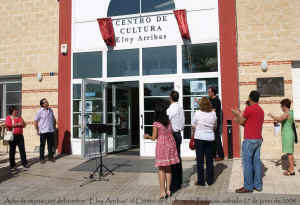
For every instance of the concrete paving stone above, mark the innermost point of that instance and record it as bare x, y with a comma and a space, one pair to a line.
268, 188
58, 181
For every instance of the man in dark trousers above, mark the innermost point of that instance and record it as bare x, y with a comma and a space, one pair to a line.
216, 103
45, 124
176, 116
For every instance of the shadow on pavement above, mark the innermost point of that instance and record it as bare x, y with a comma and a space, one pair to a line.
265, 169
6, 173
219, 168
283, 162
187, 174
121, 164
4, 160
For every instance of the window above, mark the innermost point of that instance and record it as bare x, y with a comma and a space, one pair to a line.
157, 5
200, 58
87, 65
154, 93
76, 110
93, 108
123, 63
122, 7
159, 60
193, 90
10, 94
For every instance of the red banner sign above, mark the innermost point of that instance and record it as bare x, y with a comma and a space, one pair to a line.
107, 31
182, 23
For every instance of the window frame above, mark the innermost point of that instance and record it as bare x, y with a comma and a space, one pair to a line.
129, 52
140, 11
75, 58
145, 72
189, 48
4, 81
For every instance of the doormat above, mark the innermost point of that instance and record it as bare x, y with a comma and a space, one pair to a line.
190, 202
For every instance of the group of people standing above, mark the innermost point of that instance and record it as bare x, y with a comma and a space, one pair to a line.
167, 127
206, 124
44, 124
252, 119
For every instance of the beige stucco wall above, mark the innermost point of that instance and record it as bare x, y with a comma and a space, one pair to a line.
28, 45
267, 30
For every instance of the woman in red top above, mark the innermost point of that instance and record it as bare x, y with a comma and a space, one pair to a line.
16, 123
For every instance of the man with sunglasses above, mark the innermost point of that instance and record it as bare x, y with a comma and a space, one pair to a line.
45, 124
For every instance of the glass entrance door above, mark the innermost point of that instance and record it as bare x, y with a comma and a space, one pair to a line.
118, 116
91, 108
154, 92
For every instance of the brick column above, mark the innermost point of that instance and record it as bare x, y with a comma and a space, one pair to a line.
229, 70
64, 78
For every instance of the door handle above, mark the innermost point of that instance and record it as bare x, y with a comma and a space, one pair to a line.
142, 118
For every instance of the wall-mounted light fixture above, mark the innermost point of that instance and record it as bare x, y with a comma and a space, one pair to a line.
39, 76
264, 66
64, 49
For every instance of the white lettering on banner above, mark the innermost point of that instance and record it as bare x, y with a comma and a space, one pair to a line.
143, 29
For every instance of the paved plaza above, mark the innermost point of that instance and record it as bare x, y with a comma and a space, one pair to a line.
135, 181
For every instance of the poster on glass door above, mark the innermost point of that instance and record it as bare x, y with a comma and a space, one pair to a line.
87, 133
198, 86
88, 106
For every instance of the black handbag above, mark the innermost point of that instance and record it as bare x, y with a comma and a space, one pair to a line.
295, 132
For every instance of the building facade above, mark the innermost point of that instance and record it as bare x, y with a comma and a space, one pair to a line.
92, 83
28, 46
269, 31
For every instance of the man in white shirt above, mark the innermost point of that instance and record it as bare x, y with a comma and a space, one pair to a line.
176, 116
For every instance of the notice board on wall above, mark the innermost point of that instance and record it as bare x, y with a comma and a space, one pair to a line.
270, 87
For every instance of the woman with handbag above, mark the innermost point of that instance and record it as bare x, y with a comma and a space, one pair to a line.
15, 124
166, 152
203, 125
287, 133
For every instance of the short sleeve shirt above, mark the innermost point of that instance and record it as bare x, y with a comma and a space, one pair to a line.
176, 116
204, 123
162, 130
45, 119
9, 122
254, 116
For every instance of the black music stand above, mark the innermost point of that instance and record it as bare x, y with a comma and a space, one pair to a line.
99, 129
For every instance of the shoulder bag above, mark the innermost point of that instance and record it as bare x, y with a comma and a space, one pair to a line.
9, 135
294, 127
192, 143
295, 132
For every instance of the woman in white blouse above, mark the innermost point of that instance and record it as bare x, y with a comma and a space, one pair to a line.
203, 124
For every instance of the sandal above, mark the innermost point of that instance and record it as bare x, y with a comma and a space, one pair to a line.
162, 197
169, 193
288, 173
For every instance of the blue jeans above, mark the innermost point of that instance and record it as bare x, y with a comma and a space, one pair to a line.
252, 165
